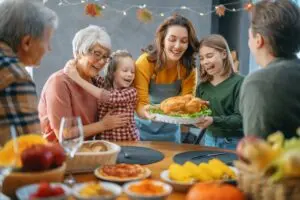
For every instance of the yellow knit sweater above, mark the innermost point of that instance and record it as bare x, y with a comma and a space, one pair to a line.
144, 72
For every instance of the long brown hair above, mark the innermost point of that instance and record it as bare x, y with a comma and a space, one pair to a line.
113, 66
218, 43
156, 50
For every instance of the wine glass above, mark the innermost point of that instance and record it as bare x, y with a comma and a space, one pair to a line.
71, 138
8, 157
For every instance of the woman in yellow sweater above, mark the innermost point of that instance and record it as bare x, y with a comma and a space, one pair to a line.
165, 69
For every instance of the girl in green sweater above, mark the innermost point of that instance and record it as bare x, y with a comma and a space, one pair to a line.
221, 87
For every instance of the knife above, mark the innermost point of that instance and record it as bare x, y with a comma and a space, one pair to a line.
208, 155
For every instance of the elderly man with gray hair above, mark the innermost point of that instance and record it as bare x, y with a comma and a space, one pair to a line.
62, 97
25, 31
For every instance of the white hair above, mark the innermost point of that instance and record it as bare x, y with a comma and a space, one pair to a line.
87, 37
19, 18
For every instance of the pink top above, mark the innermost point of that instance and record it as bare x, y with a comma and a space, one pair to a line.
62, 97
120, 101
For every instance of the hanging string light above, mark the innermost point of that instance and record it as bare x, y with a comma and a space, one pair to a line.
145, 14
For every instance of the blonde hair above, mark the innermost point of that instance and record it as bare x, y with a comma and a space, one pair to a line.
218, 43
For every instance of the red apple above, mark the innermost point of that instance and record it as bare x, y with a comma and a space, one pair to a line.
37, 158
58, 153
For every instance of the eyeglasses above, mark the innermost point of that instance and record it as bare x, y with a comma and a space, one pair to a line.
99, 56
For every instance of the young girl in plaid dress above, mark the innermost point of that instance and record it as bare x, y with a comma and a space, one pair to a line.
121, 96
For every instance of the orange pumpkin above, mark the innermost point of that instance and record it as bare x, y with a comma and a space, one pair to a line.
215, 191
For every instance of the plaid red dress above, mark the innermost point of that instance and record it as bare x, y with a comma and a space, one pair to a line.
121, 101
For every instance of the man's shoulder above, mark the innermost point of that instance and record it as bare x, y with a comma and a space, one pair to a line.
279, 71
11, 71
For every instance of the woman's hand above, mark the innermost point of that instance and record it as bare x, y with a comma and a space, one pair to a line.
71, 71
205, 122
146, 112
110, 121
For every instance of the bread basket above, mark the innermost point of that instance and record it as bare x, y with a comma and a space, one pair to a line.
257, 186
89, 161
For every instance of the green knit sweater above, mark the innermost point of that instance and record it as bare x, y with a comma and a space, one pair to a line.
224, 103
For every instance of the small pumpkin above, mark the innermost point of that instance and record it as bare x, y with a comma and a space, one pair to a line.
216, 191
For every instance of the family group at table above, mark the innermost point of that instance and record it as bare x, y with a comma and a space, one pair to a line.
115, 107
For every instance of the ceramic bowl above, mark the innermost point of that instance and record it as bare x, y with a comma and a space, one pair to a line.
177, 185
136, 196
23, 193
112, 187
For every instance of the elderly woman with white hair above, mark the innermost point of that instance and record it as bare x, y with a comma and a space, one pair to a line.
62, 97
26, 28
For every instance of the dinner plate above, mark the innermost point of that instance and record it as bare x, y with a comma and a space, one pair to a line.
175, 120
159, 117
146, 174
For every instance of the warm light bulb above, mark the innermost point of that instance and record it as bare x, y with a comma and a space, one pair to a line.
124, 13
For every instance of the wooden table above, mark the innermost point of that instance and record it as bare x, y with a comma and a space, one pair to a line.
168, 149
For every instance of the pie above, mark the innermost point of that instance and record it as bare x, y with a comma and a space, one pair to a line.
122, 172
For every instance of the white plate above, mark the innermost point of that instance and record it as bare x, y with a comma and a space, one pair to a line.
112, 187
175, 120
23, 193
122, 180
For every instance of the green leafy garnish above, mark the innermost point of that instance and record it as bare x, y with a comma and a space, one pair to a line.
206, 112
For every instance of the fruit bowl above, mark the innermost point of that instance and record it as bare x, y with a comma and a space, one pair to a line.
16, 180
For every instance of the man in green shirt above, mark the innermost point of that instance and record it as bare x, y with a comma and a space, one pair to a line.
270, 97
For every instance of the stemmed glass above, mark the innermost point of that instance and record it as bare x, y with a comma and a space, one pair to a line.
71, 137
8, 157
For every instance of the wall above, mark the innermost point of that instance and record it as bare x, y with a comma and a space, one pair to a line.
234, 27
126, 31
